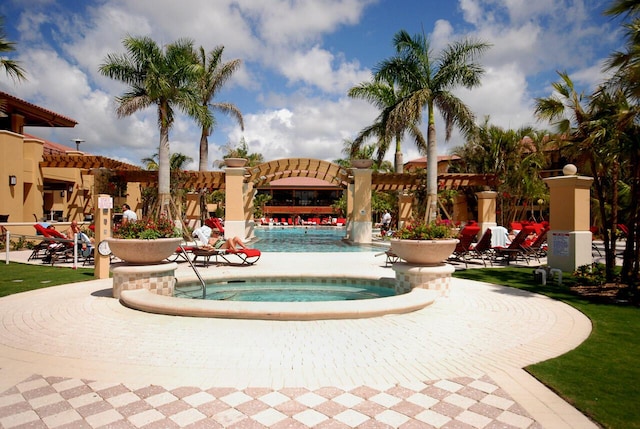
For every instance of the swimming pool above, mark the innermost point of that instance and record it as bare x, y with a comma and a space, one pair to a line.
290, 289
306, 239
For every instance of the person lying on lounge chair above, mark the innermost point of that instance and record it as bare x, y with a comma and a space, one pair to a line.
218, 242
207, 238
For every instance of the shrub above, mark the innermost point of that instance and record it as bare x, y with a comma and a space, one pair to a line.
425, 231
146, 229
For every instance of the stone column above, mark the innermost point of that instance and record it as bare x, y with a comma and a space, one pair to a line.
234, 216
361, 229
405, 208
486, 210
349, 196
569, 237
249, 193
103, 205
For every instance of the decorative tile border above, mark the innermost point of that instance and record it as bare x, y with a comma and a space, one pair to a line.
158, 279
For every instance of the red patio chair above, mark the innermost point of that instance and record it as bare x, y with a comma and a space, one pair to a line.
483, 247
538, 247
465, 240
516, 249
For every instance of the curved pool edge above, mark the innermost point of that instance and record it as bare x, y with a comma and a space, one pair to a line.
144, 300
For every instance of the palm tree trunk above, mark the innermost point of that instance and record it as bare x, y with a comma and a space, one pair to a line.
202, 166
164, 171
432, 169
204, 150
398, 161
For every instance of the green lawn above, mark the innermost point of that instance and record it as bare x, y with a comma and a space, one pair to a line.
599, 377
15, 277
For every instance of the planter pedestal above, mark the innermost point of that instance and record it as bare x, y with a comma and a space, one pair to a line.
158, 278
409, 276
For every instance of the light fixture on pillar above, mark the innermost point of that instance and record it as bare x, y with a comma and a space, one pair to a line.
70, 188
77, 142
13, 180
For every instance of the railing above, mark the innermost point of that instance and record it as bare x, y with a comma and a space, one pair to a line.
195, 270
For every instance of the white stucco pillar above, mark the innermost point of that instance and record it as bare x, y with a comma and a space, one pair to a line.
486, 210
234, 215
569, 237
361, 229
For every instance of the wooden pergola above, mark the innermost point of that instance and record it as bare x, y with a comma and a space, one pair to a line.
262, 174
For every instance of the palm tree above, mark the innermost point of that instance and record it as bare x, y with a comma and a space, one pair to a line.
11, 67
160, 76
384, 95
211, 77
426, 81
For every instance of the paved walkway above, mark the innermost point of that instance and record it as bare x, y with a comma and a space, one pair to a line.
72, 356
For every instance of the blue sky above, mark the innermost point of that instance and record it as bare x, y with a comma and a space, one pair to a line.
300, 57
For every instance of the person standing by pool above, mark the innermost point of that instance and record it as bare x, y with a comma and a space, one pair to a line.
128, 215
386, 222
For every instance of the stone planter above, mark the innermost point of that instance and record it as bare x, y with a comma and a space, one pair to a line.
235, 162
361, 163
424, 252
143, 252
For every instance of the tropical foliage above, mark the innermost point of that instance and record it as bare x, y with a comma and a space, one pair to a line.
384, 96
211, 76
160, 76
516, 157
602, 130
11, 67
421, 80
240, 151
353, 151
177, 164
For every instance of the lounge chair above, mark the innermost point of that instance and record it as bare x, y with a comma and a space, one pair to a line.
60, 247
182, 253
39, 251
623, 231
465, 240
483, 247
538, 248
245, 256
390, 257
516, 249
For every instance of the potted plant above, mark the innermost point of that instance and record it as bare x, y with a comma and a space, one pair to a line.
145, 241
361, 163
424, 243
235, 162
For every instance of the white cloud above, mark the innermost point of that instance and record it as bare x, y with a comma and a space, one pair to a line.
292, 80
314, 128
316, 67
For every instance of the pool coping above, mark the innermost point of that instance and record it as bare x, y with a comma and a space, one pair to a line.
144, 300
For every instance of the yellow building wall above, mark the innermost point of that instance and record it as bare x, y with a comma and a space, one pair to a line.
11, 156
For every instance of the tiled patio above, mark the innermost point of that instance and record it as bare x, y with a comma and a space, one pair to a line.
72, 356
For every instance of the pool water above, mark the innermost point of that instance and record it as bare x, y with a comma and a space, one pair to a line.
305, 239
289, 290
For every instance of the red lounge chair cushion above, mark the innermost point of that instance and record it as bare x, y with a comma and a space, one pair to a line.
248, 252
